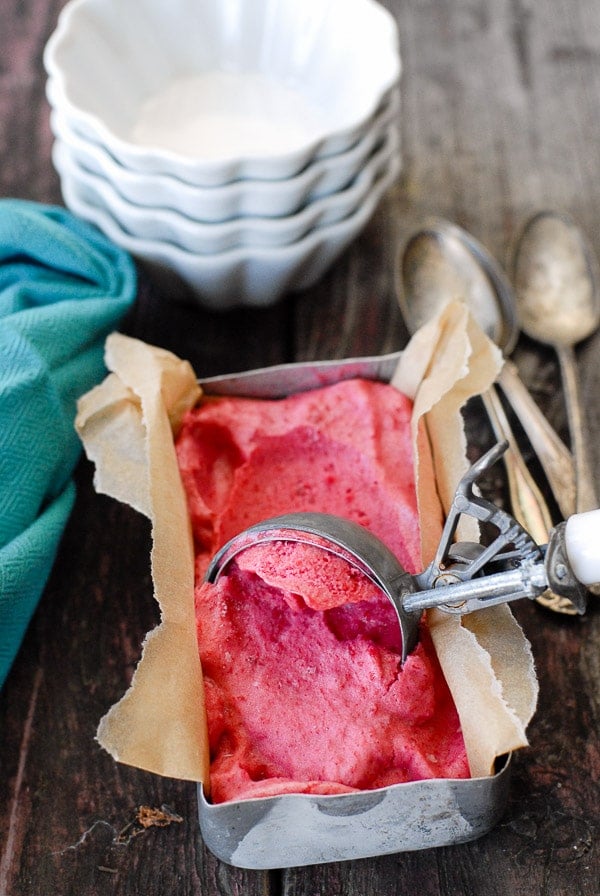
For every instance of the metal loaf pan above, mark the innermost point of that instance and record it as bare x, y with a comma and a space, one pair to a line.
305, 829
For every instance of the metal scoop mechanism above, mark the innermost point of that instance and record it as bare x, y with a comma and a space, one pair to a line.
463, 576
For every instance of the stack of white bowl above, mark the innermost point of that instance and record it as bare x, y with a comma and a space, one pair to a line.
238, 144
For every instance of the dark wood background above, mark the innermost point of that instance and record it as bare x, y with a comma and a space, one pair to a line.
500, 117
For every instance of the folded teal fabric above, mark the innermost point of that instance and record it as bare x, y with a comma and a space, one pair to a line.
63, 288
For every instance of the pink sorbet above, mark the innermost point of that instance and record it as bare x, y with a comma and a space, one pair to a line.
300, 652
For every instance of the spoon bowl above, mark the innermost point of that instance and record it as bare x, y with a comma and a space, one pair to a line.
442, 262
556, 281
556, 284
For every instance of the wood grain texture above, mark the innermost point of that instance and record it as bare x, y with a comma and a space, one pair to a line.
500, 117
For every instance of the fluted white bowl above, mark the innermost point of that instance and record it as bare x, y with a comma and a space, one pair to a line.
212, 91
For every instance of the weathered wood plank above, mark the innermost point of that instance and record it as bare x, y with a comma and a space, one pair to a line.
500, 117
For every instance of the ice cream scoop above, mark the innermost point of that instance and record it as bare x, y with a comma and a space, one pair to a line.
463, 576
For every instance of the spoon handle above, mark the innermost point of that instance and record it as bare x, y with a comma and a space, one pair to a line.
585, 490
528, 505
555, 458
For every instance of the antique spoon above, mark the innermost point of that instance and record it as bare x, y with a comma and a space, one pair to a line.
556, 285
441, 262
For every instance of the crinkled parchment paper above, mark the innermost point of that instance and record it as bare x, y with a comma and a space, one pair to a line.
127, 426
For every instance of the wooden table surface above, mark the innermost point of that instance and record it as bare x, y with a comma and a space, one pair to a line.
500, 117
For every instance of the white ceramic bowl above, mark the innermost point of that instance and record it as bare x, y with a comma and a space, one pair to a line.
240, 198
167, 225
243, 276
211, 91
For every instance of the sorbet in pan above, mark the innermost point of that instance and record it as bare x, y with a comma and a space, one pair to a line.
300, 652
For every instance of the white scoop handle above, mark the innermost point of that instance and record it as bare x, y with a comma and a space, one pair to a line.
582, 545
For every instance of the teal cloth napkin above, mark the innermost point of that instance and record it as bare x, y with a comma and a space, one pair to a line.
63, 288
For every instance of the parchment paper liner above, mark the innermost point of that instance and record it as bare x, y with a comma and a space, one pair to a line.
127, 426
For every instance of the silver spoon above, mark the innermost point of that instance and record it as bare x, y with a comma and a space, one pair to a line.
556, 284
442, 262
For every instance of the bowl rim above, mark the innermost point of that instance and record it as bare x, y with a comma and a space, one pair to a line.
230, 167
